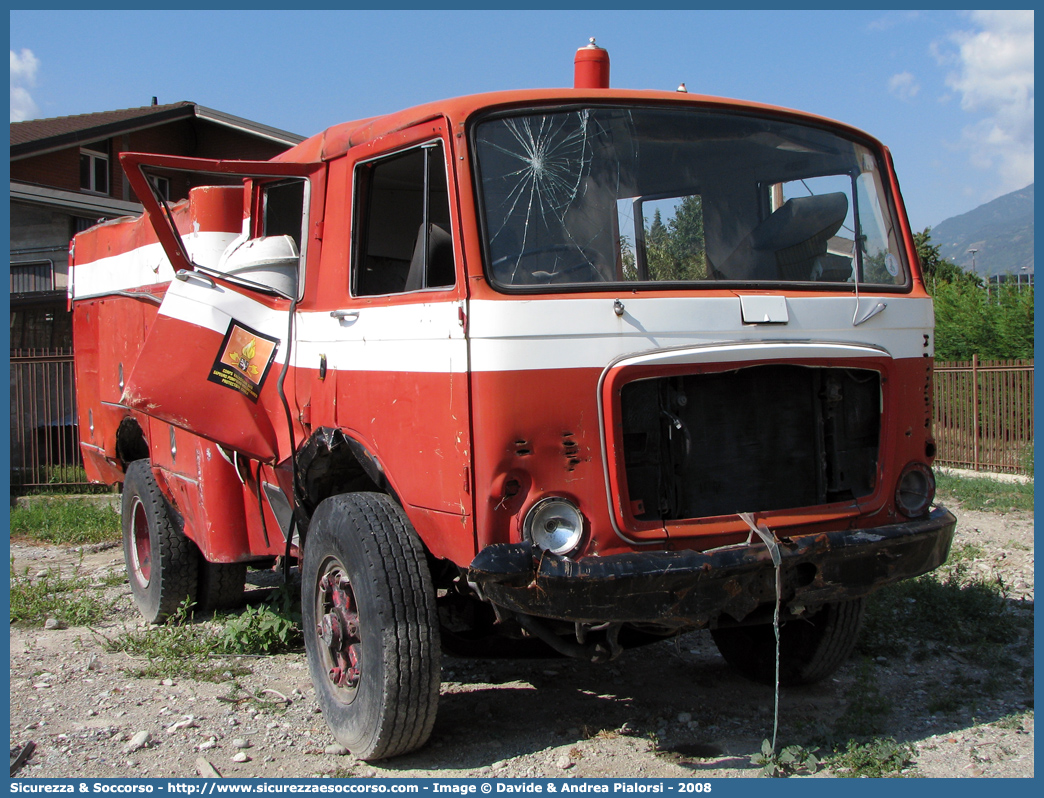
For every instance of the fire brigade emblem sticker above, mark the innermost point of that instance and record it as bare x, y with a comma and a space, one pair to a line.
244, 360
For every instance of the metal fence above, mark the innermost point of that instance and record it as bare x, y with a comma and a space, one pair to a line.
984, 415
983, 419
44, 449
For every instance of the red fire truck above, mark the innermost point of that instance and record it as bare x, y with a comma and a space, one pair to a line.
586, 366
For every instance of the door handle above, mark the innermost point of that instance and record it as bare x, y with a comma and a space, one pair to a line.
345, 315
184, 275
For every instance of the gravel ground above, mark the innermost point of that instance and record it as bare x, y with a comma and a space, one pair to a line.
673, 709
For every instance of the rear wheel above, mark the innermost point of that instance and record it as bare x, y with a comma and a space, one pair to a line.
161, 561
810, 648
371, 627
220, 585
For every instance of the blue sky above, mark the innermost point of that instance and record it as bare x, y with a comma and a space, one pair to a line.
951, 93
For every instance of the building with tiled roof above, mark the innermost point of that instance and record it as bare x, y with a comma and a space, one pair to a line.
65, 177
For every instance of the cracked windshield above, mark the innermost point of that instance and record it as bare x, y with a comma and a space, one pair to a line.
610, 195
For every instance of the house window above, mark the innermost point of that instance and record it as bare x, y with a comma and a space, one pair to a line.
29, 278
41, 325
80, 224
94, 167
161, 187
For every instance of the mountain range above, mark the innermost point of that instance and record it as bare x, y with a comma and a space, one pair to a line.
1000, 232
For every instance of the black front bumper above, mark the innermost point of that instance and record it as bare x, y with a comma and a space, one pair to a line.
680, 589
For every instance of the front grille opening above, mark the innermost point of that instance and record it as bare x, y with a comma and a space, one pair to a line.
757, 439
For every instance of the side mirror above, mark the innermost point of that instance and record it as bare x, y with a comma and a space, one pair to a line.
269, 262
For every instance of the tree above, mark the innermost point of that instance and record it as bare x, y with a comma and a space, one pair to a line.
935, 268
677, 250
968, 319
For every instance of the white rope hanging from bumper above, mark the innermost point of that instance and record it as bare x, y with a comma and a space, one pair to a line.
772, 544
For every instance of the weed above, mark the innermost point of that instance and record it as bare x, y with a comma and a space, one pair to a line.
184, 648
65, 521
965, 552
74, 601
1016, 722
237, 696
113, 578
588, 732
875, 759
178, 648
66, 475
53, 480
1026, 460
267, 628
981, 493
789, 761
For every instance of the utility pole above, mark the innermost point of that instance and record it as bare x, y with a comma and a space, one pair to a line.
973, 251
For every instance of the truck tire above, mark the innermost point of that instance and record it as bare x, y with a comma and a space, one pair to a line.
220, 585
810, 648
161, 561
370, 625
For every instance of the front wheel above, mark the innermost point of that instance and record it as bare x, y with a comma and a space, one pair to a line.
810, 649
161, 561
371, 625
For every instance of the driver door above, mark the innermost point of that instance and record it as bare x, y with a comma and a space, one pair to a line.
214, 359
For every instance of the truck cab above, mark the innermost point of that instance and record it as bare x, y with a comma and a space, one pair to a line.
583, 366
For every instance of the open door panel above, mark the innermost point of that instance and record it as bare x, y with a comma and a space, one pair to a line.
212, 359
210, 365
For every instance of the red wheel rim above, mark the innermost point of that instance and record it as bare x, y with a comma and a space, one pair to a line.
141, 544
337, 630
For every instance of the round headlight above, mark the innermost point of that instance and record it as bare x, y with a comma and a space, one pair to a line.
915, 491
554, 525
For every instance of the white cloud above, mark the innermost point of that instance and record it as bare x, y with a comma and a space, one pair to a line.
904, 86
993, 77
24, 66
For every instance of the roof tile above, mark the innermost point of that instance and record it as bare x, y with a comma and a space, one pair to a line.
41, 129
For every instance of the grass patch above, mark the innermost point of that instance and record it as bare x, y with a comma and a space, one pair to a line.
180, 648
948, 608
65, 521
965, 552
72, 600
980, 493
183, 648
874, 759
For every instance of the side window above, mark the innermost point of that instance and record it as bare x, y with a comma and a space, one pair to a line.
273, 261
402, 228
284, 209
669, 243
